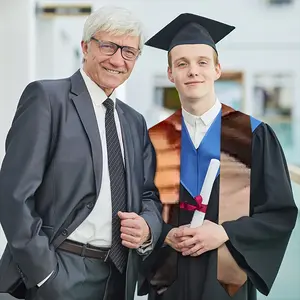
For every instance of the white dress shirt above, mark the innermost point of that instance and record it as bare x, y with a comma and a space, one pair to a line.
198, 125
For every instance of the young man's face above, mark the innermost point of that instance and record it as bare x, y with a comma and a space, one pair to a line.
194, 69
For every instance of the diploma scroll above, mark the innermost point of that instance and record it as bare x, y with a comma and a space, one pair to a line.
209, 180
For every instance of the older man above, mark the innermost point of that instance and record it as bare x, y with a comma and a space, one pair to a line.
77, 200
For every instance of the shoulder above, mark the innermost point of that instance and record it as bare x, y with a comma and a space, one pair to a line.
50, 85
262, 132
173, 122
167, 133
265, 133
238, 119
55, 87
47, 90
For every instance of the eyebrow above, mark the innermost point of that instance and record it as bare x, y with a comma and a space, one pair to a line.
185, 59
109, 41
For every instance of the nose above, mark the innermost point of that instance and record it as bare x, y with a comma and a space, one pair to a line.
193, 71
117, 60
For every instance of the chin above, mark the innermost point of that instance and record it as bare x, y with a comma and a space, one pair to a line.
196, 96
195, 92
112, 84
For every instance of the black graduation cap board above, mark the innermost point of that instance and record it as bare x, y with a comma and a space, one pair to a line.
190, 29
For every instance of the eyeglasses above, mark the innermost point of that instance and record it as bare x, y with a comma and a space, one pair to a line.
110, 48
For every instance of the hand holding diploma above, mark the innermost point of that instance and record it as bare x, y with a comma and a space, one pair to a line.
207, 237
203, 235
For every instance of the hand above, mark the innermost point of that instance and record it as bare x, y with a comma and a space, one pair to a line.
204, 238
134, 230
173, 241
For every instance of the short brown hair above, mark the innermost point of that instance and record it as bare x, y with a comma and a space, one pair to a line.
216, 59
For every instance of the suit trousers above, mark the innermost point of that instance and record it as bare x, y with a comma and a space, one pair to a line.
81, 278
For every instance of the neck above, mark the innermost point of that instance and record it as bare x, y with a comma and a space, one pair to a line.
107, 91
200, 106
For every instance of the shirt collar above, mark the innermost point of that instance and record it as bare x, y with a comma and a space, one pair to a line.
207, 118
98, 96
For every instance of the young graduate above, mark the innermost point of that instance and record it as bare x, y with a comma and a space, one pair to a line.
251, 211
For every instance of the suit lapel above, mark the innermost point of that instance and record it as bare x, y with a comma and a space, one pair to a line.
84, 106
128, 152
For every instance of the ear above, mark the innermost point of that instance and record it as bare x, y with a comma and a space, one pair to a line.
170, 76
218, 71
84, 48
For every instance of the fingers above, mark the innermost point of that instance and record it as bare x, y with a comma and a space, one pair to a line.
131, 231
129, 238
184, 238
131, 223
199, 252
188, 243
127, 215
129, 245
184, 250
192, 251
185, 231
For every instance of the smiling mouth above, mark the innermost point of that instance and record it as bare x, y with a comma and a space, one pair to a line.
113, 71
194, 82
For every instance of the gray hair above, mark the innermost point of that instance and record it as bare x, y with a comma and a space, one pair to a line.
114, 20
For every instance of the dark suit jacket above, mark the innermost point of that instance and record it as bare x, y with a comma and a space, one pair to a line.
51, 175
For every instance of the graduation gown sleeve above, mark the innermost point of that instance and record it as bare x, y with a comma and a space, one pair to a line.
166, 228
258, 242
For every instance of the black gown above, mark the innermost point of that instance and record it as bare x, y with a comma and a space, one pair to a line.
257, 243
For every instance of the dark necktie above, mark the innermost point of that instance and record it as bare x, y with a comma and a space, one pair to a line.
118, 253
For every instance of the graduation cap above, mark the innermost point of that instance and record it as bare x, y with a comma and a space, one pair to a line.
190, 29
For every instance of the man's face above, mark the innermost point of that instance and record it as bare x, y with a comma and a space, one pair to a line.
108, 71
193, 71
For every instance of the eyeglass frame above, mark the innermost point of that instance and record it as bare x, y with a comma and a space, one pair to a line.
118, 47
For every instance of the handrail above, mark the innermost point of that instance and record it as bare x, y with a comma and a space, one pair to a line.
295, 173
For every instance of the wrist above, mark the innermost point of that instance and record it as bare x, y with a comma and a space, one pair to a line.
224, 234
147, 237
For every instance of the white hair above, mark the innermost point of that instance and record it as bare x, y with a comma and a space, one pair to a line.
114, 20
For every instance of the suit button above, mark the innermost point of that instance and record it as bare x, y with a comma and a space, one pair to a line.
90, 205
65, 232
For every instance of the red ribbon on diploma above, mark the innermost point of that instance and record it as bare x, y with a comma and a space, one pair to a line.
190, 207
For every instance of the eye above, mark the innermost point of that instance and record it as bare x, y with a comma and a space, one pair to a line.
107, 47
203, 62
129, 52
181, 64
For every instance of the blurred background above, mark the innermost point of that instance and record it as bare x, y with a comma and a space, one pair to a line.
260, 62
